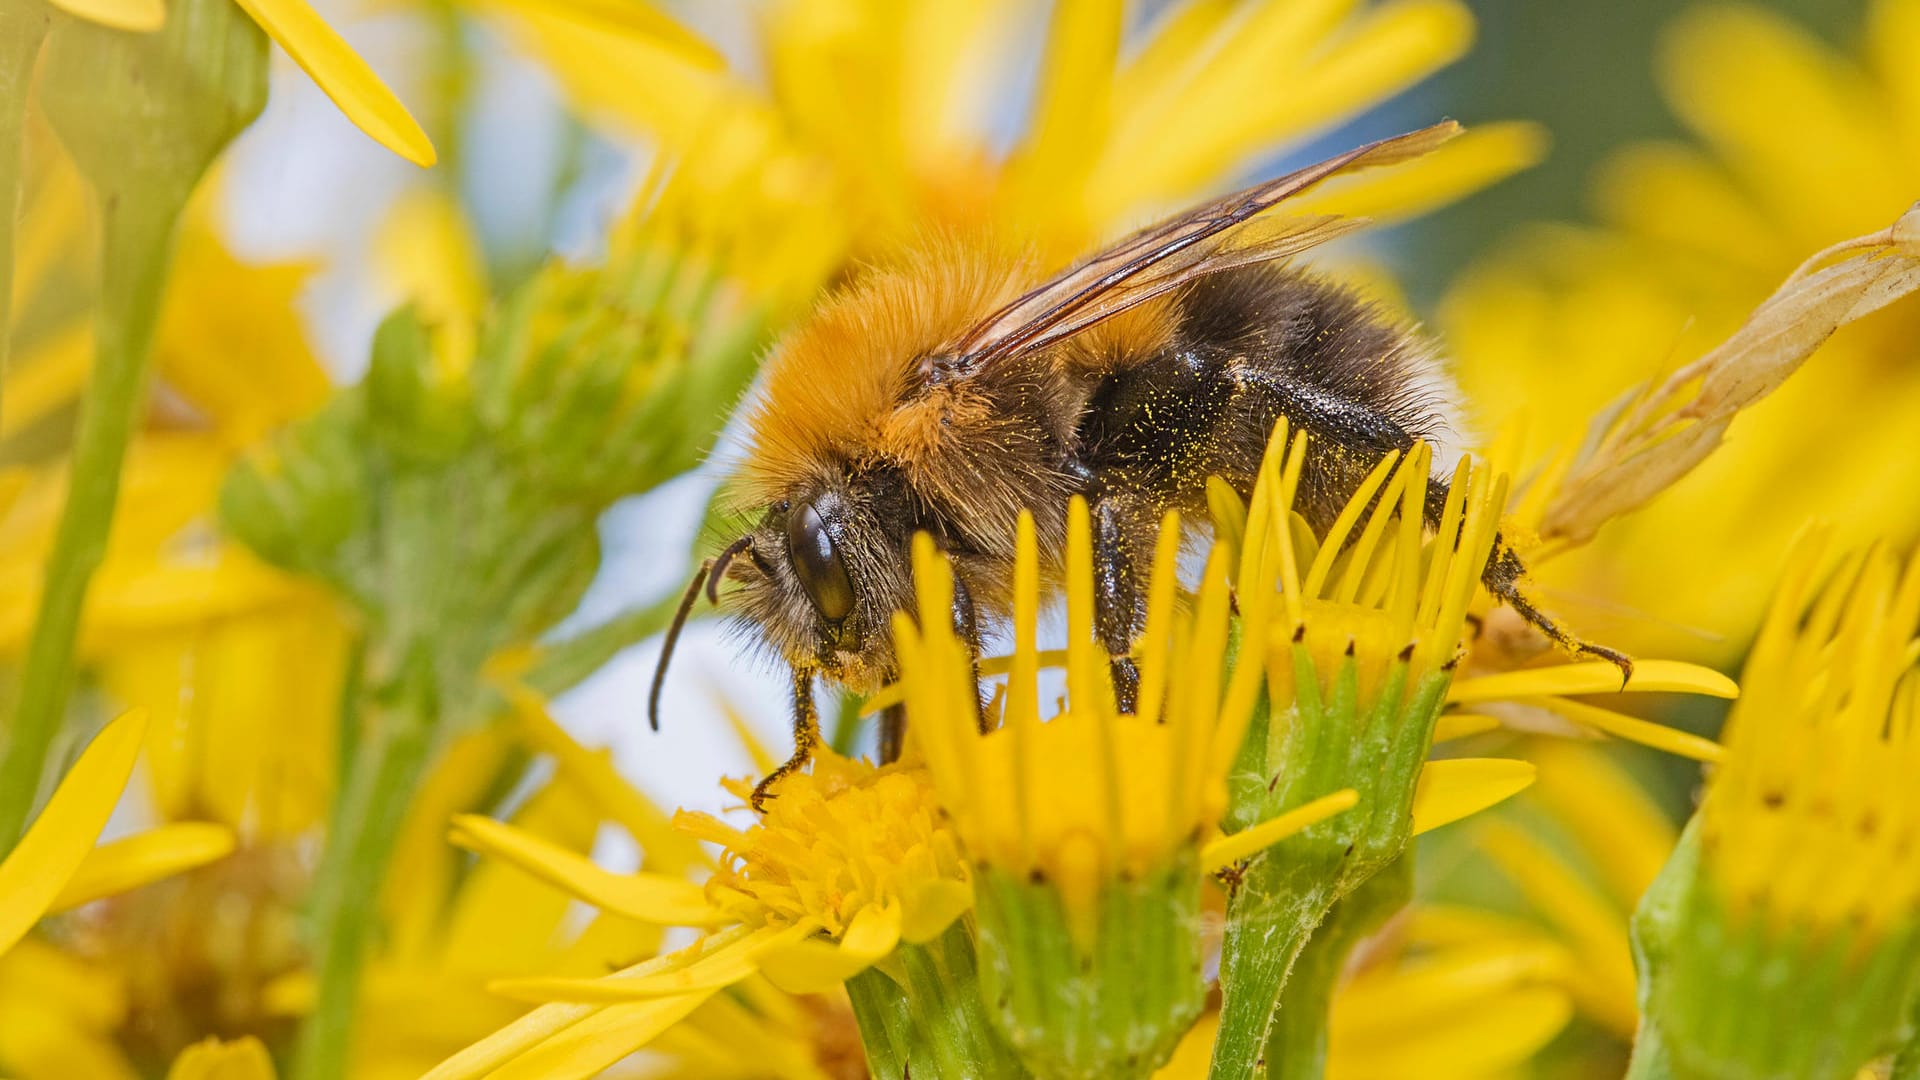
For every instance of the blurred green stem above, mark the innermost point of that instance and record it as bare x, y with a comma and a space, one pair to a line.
22, 26
1650, 1061
137, 227
389, 757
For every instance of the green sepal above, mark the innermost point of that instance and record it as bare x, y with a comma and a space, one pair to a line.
921, 1013
1728, 996
1113, 1003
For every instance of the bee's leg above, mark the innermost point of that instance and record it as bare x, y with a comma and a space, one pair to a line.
1124, 531
1502, 579
966, 623
806, 735
893, 732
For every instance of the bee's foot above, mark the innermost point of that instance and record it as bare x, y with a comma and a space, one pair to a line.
1612, 656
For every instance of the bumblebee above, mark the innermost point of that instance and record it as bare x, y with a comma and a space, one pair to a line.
956, 386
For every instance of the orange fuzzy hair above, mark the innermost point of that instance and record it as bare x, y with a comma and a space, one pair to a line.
834, 387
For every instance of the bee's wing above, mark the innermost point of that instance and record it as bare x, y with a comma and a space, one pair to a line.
1160, 258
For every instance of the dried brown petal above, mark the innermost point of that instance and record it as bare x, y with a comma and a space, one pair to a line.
1643, 444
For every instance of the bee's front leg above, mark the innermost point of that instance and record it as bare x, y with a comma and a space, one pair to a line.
806, 735
1124, 530
966, 623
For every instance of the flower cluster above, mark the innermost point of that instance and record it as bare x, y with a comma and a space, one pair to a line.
283, 787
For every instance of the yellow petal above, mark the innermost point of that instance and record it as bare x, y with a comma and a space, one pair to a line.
1797, 121
508, 1043
1450, 790
1480, 157
427, 254
1602, 805
130, 863
1681, 196
813, 966
1230, 849
1498, 1033
1386, 1002
667, 848
1460, 725
59, 839
219, 306
1595, 677
137, 16
1634, 729
1593, 926
633, 18
211, 1059
931, 907
594, 1044
698, 973
343, 75
655, 898
505, 919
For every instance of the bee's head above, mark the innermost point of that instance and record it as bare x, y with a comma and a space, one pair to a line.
821, 575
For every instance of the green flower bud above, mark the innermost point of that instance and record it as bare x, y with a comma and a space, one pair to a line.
1782, 940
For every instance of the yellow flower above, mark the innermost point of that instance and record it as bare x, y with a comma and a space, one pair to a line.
1090, 797
882, 115
1794, 892
1087, 830
56, 866
850, 862
1808, 823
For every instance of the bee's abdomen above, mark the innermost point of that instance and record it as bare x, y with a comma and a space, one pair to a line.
1253, 346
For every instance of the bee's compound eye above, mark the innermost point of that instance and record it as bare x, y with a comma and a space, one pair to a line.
818, 563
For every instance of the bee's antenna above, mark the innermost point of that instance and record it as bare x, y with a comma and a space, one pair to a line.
700, 577
719, 565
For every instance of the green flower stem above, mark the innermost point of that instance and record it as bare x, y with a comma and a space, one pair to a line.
1335, 733
1261, 949
1297, 1048
138, 234
390, 756
921, 1010
22, 27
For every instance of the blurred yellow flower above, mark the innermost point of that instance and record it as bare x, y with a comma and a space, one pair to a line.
56, 866
884, 116
1800, 147
1582, 846
212, 1059
1442, 993
179, 620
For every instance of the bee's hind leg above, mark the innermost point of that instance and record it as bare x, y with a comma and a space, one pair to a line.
1124, 532
806, 735
1502, 578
